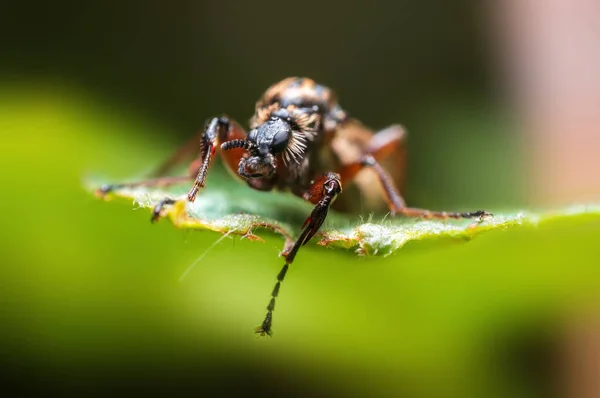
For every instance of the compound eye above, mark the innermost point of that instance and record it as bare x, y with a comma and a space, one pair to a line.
252, 135
280, 141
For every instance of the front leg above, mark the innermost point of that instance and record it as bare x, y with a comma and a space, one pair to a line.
322, 194
210, 139
219, 130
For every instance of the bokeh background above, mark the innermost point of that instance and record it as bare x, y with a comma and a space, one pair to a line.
501, 105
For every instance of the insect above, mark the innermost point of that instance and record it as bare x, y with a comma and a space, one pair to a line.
300, 140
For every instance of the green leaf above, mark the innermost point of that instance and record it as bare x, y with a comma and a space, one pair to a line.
229, 207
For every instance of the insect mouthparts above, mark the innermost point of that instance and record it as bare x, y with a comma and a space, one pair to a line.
263, 149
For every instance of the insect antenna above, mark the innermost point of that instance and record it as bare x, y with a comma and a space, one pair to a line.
233, 144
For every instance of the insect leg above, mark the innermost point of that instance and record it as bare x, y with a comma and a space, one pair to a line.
217, 131
382, 145
156, 211
210, 140
192, 146
157, 178
397, 204
155, 182
322, 194
185, 151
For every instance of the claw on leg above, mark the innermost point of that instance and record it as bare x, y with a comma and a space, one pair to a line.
156, 182
105, 190
480, 215
157, 210
394, 199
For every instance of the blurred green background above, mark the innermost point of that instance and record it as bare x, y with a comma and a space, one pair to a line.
91, 303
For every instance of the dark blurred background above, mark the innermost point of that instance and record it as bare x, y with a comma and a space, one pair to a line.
186, 61
423, 64
91, 303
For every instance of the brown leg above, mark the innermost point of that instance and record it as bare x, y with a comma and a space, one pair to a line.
322, 194
158, 176
218, 131
195, 144
183, 153
383, 143
231, 136
215, 129
155, 182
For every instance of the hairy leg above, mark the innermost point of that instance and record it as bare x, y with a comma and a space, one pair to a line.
382, 144
155, 182
322, 194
